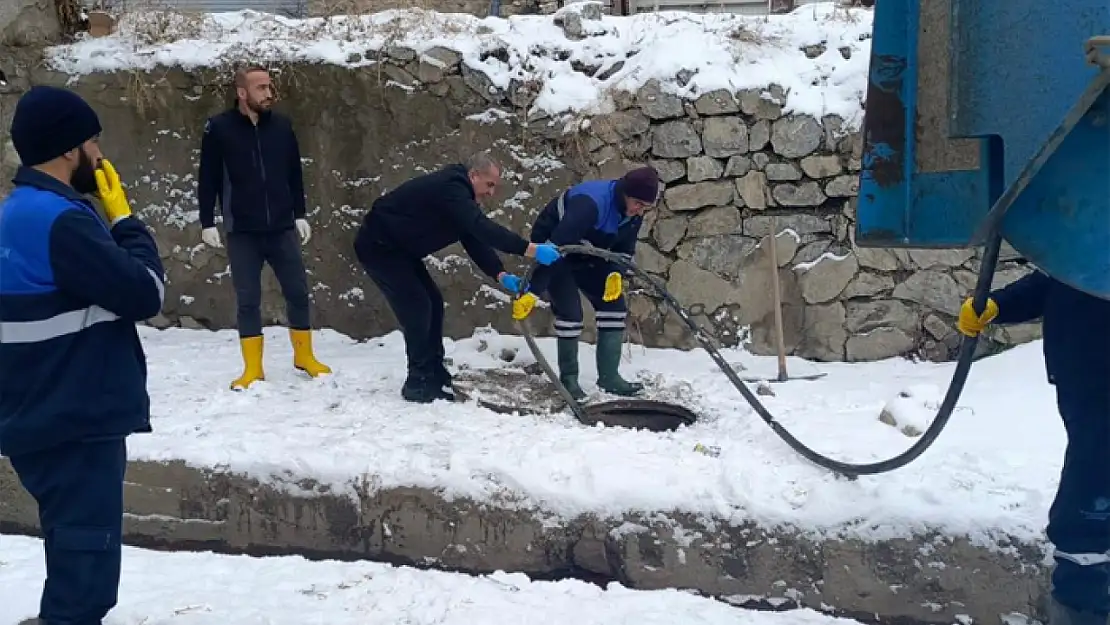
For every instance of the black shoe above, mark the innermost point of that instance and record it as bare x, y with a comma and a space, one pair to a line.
443, 376
424, 390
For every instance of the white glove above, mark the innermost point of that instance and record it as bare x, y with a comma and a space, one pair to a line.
211, 237
303, 230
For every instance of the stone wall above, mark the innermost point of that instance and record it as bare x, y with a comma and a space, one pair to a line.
736, 169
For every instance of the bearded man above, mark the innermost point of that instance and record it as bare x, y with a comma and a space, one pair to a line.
250, 160
72, 370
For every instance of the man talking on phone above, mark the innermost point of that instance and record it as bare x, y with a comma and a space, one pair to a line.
73, 283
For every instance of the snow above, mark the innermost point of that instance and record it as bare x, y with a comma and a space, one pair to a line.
207, 589
913, 409
806, 266
715, 51
993, 471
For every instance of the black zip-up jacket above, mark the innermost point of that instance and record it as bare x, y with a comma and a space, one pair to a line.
254, 170
430, 212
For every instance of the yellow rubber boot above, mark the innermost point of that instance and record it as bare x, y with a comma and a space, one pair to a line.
303, 357
252, 363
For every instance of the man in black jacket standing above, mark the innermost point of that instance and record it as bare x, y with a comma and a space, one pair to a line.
250, 159
417, 219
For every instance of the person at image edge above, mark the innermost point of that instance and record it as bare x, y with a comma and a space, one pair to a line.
73, 377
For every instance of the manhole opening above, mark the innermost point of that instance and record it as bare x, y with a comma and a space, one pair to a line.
644, 414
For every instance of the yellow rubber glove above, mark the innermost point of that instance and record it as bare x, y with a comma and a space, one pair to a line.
614, 286
523, 306
110, 192
971, 324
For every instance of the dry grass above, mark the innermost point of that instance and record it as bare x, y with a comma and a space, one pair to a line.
344, 20
153, 22
69, 16
140, 92
745, 34
845, 14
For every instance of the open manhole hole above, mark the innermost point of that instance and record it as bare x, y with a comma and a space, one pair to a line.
526, 392
639, 414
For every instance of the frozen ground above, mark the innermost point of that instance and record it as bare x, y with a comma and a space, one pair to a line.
992, 471
207, 589
714, 51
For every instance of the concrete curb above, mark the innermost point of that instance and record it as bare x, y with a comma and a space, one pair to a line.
928, 579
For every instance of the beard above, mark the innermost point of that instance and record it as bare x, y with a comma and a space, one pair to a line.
259, 106
83, 179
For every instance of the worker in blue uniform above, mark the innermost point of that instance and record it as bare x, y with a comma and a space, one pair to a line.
606, 214
1076, 329
73, 283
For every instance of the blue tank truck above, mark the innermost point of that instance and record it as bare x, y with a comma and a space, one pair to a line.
989, 121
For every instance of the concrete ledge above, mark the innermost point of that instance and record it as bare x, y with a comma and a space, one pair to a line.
928, 579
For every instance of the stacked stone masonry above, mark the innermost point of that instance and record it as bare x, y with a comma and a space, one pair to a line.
735, 165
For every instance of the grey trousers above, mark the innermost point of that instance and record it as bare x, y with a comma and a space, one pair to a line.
247, 252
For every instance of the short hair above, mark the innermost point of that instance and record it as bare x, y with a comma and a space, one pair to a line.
482, 162
240, 77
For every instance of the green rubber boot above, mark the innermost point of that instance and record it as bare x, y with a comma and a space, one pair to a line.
609, 343
568, 367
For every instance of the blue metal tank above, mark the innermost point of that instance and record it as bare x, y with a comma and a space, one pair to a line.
991, 112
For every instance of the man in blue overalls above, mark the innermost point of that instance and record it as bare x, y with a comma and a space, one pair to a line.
606, 214
72, 370
1076, 329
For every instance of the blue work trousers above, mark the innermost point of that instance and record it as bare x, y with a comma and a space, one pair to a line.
79, 491
572, 276
1079, 520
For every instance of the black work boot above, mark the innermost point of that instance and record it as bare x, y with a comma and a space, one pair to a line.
424, 389
609, 343
1060, 614
568, 367
442, 375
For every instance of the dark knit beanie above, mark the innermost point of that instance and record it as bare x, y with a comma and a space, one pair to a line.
641, 184
49, 122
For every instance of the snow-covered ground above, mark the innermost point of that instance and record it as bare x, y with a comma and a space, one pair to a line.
715, 51
993, 470
207, 589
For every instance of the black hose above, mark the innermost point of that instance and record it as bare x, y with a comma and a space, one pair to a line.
846, 469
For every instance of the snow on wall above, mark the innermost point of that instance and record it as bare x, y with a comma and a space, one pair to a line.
818, 54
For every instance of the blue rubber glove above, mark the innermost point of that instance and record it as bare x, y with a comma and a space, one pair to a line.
546, 253
511, 283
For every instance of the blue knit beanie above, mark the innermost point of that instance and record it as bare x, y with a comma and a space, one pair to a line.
49, 122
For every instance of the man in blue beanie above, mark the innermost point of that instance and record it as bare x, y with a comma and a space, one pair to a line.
72, 369
606, 214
